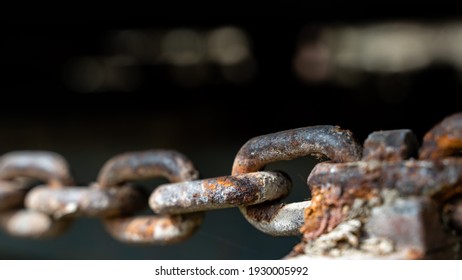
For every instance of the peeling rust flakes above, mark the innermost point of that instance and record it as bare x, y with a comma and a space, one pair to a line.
329, 207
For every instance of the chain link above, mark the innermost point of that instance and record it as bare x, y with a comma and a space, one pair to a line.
28, 209
16, 170
160, 229
320, 141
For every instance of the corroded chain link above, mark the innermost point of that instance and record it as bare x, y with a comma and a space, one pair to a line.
17, 170
38, 198
160, 229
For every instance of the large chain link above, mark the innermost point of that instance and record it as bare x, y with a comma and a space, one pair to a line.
38, 199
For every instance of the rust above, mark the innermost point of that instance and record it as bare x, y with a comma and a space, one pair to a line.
41, 165
325, 141
431, 178
90, 201
337, 144
146, 164
330, 206
160, 230
265, 211
390, 145
25, 167
337, 185
28, 223
395, 199
220, 192
444, 139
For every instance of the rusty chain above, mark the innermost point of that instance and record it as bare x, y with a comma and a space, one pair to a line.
357, 192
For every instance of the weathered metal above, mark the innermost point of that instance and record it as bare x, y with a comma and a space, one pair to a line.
323, 141
132, 166
220, 192
401, 207
23, 167
388, 200
46, 166
390, 145
445, 139
92, 201
160, 230
144, 165
326, 141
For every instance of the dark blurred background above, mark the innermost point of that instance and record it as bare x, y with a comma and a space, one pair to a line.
203, 85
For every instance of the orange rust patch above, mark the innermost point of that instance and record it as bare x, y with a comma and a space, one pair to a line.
314, 215
225, 182
221, 182
240, 169
448, 145
361, 192
327, 209
209, 186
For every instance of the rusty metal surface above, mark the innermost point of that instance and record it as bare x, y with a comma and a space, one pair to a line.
323, 141
155, 230
46, 166
336, 186
380, 202
390, 145
23, 167
445, 139
389, 204
220, 192
172, 165
438, 179
91, 201
320, 141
